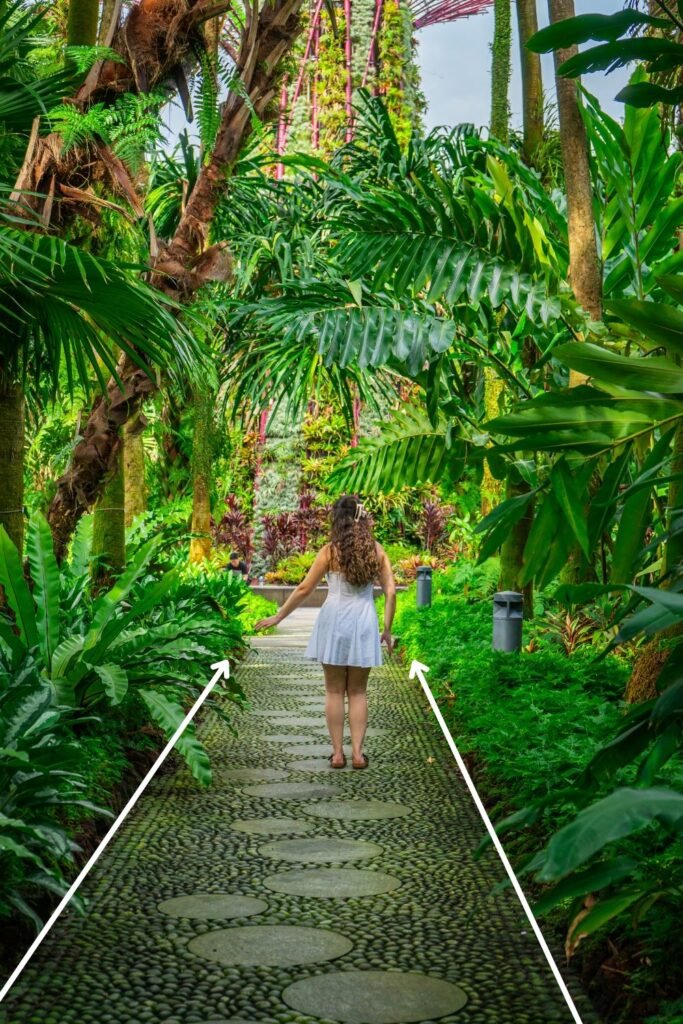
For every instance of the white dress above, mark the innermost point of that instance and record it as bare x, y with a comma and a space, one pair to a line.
346, 631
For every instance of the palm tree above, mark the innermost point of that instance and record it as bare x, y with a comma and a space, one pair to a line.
500, 70
532, 80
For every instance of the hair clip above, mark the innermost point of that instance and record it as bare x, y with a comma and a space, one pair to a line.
360, 512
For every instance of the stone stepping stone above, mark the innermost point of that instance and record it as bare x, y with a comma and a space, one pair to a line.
358, 810
272, 826
252, 774
374, 997
271, 945
282, 737
318, 764
291, 791
332, 883
314, 749
268, 713
320, 851
290, 719
212, 906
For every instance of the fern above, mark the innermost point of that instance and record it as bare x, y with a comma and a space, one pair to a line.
206, 102
83, 57
130, 126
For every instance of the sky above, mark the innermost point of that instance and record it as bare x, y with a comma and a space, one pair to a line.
455, 61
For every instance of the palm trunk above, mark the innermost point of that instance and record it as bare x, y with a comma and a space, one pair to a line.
584, 265
109, 531
532, 80
202, 457
500, 70
135, 492
12, 447
188, 261
81, 29
512, 551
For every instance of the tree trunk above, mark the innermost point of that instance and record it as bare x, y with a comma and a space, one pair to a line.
500, 70
673, 552
512, 551
584, 267
532, 81
202, 458
135, 492
81, 27
12, 448
491, 489
109, 531
188, 261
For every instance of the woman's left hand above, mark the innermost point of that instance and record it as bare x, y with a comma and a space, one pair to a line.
273, 620
387, 639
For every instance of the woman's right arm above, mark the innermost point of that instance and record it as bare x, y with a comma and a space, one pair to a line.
388, 583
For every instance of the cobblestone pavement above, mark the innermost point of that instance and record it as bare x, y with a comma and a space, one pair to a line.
290, 892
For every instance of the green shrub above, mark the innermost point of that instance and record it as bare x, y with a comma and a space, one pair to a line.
467, 579
291, 570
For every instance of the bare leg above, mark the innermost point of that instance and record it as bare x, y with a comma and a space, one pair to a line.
335, 687
358, 709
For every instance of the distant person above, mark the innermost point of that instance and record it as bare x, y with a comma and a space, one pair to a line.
346, 638
238, 565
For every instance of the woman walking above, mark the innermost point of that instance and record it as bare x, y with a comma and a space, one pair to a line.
346, 638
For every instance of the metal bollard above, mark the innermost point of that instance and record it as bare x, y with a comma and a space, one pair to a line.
508, 617
424, 586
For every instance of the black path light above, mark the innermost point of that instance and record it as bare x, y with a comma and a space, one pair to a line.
424, 586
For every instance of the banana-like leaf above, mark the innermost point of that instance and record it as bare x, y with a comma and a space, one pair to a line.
582, 419
408, 451
571, 502
586, 27
660, 54
169, 715
620, 814
648, 94
16, 591
637, 374
45, 576
592, 879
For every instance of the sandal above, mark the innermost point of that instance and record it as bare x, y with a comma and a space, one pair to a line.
343, 765
366, 762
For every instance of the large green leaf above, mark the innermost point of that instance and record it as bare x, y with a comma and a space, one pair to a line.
635, 516
585, 27
114, 681
500, 521
660, 54
620, 814
45, 576
16, 591
408, 451
571, 502
637, 374
596, 877
378, 335
169, 715
661, 323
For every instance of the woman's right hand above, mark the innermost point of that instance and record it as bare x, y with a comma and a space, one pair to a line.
273, 620
387, 639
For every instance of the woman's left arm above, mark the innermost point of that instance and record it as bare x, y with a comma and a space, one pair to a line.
306, 587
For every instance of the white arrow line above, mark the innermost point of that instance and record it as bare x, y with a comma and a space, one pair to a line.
222, 670
418, 669
90, 864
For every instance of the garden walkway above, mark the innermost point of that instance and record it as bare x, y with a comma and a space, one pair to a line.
289, 892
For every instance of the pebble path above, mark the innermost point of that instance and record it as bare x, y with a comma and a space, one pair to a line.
290, 893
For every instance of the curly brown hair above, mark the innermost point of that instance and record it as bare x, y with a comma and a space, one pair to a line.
354, 552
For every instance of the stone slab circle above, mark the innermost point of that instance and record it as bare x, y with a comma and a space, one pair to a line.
312, 750
212, 906
251, 774
332, 883
358, 810
272, 826
283, 737
311, 764
270, 945
320, 851
374, 997
291, 791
